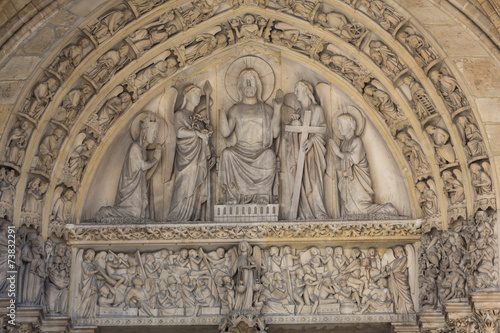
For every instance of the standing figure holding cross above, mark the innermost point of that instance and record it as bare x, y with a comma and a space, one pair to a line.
307, 133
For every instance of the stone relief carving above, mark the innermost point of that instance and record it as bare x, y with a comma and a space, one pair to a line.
483, 185
245, 280
413, 153
107, 65
450, 90
5, 235
354, 184
152, 34
294, 39
100, 121
384, 14
193, 158
440, 138
62, 211
40, 98
346, 67
419, 47
387, 60
8, 181
253, 231
33, 201
306, 143
69, 58
428, 202
140, 7
33, 270
108, 24
471, 137
454, 189
204, 44
456, 262
18, 141
249, 26
420, 101
71, 106
78, 160
488, 320
132, 194
384, 104
48, 150
57, 282
338, 24
255, 124
141, 81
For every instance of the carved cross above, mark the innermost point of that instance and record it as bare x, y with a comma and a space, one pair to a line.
305, 129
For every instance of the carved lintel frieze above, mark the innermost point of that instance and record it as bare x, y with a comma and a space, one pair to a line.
398, 229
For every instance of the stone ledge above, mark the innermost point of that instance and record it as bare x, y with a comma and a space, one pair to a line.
87, 234
215, 320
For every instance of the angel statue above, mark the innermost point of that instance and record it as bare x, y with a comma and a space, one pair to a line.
193, 159
246, 274
355, 184
132, 197
400, 269
311, 201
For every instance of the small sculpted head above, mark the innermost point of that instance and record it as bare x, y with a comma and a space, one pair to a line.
346, 124
304, 90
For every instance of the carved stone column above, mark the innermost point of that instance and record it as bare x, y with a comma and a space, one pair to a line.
486, 307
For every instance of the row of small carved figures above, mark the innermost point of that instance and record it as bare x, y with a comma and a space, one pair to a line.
195, 279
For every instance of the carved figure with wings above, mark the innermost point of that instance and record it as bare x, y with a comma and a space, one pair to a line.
189, 141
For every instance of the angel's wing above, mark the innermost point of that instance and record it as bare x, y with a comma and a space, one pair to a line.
233, 256
487, 168
57, 194
166, 111
458, 175
331, 108
432, 185
388, 257
411, 263
257, 255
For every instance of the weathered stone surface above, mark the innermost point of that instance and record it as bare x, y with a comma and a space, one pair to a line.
64, 18
41, 42
457, 41
5, 111
9, 91
427, 12
483, 76
83, 8
19, 67
493, 137
489, 109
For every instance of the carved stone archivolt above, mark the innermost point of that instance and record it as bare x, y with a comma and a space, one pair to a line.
318, 148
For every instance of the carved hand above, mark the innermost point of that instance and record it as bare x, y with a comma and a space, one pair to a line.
307, 145
333, 145
278, 100
157, 153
